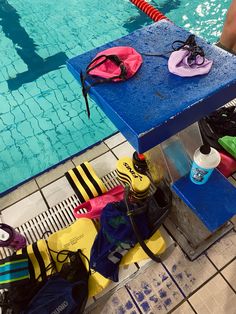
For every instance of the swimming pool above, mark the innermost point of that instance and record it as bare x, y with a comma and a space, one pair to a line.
42, 115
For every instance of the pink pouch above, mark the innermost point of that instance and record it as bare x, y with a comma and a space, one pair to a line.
95, 206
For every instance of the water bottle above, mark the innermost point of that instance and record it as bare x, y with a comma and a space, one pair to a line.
205, 159
9, 237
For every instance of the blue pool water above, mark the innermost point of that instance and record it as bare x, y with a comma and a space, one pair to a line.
42, 115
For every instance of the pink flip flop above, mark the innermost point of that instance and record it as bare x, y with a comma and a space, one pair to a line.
95, 206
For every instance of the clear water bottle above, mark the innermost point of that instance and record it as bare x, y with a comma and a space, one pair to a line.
205, 159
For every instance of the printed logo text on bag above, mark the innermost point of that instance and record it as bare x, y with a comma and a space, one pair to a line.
60, 308
135, 175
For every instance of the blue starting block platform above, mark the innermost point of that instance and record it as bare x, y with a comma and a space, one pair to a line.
218, 196
155, 105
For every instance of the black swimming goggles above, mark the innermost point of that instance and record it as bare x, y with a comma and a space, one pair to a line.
194, 50
113, 58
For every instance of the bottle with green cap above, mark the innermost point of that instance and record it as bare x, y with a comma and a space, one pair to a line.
205, 159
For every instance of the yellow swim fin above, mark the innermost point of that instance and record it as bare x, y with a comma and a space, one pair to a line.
156, 244
80, 235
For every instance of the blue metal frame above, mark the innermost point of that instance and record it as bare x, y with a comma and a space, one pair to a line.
213, 202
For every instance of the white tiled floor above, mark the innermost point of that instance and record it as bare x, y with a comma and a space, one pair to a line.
216, 297
230, 274
119, 302
104, 164
124, 149
154, 290
54, 174
224, 251
189, 275
115, 140
22, 211
185, 308
18, 194
90, 154
124, 273
57, 191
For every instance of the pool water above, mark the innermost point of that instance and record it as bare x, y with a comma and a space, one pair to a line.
43, 119
204, 18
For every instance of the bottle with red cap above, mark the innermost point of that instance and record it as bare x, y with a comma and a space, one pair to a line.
205, 159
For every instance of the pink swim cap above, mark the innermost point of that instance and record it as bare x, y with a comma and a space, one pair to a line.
178, 64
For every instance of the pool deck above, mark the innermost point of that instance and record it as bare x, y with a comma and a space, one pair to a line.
207, 285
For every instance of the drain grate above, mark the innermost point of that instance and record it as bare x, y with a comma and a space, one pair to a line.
231, 103
55, 218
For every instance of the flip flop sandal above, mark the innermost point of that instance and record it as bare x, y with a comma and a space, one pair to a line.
95, 206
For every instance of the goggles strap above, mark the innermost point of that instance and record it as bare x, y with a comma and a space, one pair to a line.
85, 89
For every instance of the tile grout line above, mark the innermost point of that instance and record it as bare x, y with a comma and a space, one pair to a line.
222, 268
133, 299
114, 154
229, 284
186, 298
172, 277
198, 288
218, 271
20, 199
177, 306
44, 198
180, 304
111, 148
190, 304
202, 285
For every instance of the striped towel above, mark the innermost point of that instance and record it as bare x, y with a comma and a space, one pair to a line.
85, 182
14, 269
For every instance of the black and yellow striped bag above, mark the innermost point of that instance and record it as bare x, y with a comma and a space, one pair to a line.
40, 261
85, 182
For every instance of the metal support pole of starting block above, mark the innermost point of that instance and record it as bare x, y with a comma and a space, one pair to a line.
170, 161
